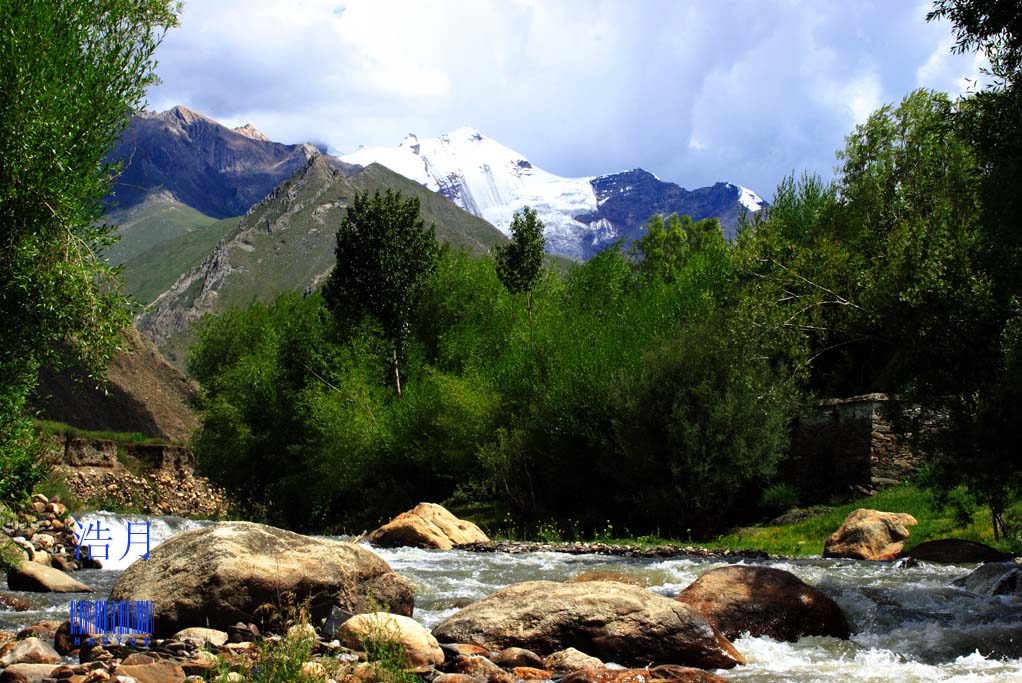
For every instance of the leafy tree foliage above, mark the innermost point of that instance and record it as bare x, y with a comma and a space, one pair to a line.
520, 262
994, 26
486, 414
665, 249
384, 255
704, 419
70, 74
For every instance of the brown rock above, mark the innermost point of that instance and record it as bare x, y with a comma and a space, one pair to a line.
30, 651
223, 573
420, 647
457, 678
870, 535
764, 601
528, 673
158, 672
45, 630
34, 577
63, 671
26, 673
455, 649
480, 668
204, 636
9, 602
63, 642
511, 657
610, 620
956, 551
199, 666
101, 675
427, 525
667, 674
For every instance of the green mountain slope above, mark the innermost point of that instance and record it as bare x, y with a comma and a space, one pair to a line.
286, 242
158, 219
155, 270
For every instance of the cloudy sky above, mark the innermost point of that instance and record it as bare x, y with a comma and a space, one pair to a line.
695, 91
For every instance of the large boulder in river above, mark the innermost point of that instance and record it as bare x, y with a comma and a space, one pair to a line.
764, 601
996, 578
956, 551
427, 525
223, 573
606, 619
870, 535
34, 577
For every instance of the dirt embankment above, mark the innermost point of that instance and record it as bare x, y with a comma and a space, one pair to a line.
150, 478
145, 395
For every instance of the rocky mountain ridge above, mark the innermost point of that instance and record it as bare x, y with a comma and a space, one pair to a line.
286, 242
200, 163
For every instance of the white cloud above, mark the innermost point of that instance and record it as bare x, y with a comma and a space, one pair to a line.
693, 91
952, 73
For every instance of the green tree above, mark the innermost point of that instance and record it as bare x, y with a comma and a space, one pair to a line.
980, 399
384, 256
708, 419
71, 72
665, 249
520, 262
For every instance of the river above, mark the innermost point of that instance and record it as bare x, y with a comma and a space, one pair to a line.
909, 625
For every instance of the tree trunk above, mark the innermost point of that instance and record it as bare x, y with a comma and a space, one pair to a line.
397, 375
1000, 528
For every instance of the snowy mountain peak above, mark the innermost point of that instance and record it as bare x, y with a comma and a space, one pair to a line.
465, 133
750, 200
581, 215
411, 142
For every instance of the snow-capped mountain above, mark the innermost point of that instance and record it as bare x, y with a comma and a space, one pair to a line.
582, 215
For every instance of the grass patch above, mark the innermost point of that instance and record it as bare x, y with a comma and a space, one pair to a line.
152, 272
962, 519
60, 429
157, 220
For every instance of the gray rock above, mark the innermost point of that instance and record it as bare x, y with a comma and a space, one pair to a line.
996, 578
223, 573
34, 577
612, 621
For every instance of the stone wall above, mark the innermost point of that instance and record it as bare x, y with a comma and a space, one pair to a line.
844, 444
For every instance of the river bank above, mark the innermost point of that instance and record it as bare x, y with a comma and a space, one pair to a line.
908, 623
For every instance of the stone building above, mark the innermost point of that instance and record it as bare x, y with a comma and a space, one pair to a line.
848, 443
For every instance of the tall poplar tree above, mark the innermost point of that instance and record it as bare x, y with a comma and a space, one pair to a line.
520, 261
384, 253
